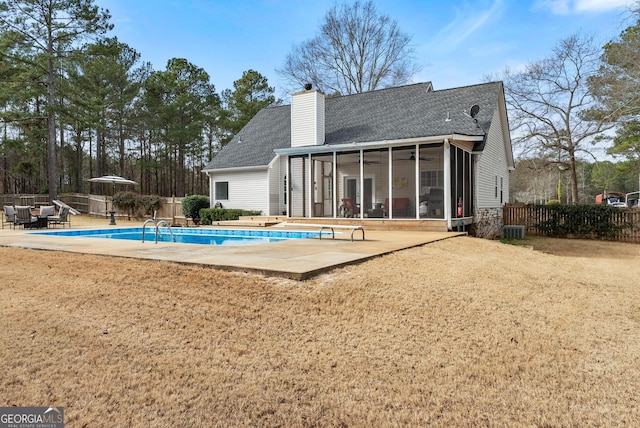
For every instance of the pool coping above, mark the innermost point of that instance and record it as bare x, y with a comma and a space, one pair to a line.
298, 259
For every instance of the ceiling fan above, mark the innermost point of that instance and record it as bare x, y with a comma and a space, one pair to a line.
366, 162
423, 158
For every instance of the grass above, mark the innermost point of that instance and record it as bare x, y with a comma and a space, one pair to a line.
462, 332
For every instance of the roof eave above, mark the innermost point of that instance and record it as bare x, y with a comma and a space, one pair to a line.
236, 169
374, 144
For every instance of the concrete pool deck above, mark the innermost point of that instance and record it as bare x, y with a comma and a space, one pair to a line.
297, 259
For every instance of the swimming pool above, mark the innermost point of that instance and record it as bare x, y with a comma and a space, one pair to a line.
189, 235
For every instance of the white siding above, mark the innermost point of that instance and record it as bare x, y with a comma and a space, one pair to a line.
307, 119
277, 173
297, 182
492, 168
248, 189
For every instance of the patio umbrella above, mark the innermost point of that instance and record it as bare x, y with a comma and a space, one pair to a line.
113, 179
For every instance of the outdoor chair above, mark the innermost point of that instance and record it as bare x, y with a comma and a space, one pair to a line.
349, 209
399, 207
62, 218
24, 217
9, 216
48, 210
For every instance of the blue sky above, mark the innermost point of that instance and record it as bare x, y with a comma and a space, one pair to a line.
457, 43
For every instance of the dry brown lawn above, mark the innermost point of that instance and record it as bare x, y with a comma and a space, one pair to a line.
462, 332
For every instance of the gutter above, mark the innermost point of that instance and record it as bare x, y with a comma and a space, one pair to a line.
235, 169
374, 144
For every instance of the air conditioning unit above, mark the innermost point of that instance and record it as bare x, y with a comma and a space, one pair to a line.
512, 232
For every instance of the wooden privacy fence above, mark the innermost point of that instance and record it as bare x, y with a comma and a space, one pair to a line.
31, 199
534, 217
99, 205
96, 205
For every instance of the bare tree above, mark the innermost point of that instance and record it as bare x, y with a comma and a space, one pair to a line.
357, 50
548, 104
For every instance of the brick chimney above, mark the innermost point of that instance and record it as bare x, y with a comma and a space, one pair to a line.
307, 118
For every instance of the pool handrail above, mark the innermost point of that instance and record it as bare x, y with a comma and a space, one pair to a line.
173, 239
157, 227
144, 225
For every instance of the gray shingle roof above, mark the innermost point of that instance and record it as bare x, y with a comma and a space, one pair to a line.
410, 111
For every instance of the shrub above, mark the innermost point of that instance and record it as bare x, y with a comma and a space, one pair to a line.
584, 221
125, 201
191, 206
209, 215
136, 205
147, 204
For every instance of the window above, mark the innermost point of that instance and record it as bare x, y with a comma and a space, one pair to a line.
222, 190
432, 178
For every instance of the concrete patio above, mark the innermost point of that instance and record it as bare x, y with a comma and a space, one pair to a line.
297, 259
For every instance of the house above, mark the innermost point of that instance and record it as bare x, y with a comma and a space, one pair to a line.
407, 153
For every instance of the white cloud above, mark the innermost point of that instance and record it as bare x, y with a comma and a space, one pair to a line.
601, 5
468, 19
566, 7
557, 7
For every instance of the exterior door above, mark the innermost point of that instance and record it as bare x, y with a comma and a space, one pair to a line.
352, 191
367, 200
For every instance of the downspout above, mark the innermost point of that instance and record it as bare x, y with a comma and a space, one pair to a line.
310, 188
390, 173
362, 208
334, 185
447, 182
476, 159
416, 213
288, 188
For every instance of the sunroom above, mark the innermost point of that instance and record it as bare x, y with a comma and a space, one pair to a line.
421, 179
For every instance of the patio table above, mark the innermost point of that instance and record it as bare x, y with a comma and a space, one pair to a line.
41, 223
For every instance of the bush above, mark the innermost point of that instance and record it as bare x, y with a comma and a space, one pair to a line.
191, 206
136, 205
147, 204
584, 221
209, 215
126, 201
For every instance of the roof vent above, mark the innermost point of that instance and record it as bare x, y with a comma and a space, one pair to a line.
308, 86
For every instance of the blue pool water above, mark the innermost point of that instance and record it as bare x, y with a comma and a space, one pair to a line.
189, 235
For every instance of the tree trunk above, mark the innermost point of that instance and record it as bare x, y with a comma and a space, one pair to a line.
574, 176
78, 178
180, 176
62, 150
121, 146
51, 125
